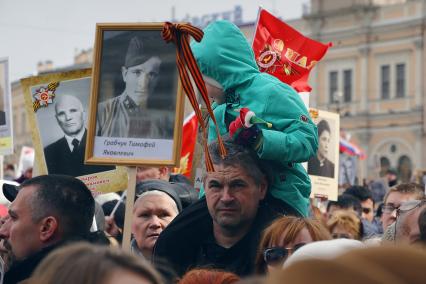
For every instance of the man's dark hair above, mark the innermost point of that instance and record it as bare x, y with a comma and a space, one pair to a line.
66, 198
360, 192
346, 201
238, 156
323, 125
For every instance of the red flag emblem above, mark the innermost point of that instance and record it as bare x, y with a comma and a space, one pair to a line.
285, 53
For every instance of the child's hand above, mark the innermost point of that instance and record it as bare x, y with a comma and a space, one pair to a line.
243, 132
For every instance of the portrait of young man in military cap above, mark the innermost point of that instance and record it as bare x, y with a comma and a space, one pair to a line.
131, 111
136, 112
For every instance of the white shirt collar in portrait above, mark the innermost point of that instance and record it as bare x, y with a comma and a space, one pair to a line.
79, 137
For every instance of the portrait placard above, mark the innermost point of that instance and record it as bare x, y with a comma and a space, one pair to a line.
136, 107
6, 125
57, 110
323, 168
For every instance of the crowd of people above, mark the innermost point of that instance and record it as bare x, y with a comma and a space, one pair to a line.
235, 234
252, 222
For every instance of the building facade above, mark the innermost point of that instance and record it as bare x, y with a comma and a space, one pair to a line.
373, 76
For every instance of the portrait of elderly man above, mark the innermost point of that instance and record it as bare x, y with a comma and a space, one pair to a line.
66, 155
129, 114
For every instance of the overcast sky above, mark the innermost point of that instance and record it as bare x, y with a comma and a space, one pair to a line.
39, 30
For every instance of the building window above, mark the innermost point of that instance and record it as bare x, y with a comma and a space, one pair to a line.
332, 83
400, 80
384, 165
405, 168
347, 85
385, 79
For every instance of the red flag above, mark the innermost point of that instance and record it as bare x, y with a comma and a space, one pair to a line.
189, 139
285, 53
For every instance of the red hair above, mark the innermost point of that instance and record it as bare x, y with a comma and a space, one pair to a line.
209, 276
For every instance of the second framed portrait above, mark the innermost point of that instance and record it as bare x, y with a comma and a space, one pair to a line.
57, 109
136, 108
6, 125
323, 167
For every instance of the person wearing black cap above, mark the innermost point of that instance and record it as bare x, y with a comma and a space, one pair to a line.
127, 115
156, 206
47, 212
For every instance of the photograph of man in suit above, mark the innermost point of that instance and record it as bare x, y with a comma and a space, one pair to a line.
2, 113
66, 155
128, 114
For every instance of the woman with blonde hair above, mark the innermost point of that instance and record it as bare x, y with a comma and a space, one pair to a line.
84, 263
284, 236
345, 224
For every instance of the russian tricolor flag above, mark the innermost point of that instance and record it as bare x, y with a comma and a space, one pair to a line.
351, 149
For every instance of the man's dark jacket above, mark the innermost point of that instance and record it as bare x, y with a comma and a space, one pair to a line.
188, 242
60, 159
21, 270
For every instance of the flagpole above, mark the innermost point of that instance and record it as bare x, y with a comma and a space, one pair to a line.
257, 22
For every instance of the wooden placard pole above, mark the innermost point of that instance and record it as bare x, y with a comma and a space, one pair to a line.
1, 167
130, 200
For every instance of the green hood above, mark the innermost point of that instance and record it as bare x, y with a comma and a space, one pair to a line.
225, 55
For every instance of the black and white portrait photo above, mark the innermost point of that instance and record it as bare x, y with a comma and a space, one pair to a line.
137, 101
322, 164
63, 129
6, 126
3, 89
137, 87
323, 168
2, 112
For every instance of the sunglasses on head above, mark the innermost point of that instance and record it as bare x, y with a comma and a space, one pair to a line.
276, 255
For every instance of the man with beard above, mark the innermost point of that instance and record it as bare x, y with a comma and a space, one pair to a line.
47, 212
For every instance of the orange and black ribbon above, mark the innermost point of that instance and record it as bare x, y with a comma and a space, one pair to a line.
179, 34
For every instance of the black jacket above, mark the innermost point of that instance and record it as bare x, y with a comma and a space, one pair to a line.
60, 160
188, 242
325, 170
21, 270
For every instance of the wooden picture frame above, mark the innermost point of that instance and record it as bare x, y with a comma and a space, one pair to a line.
323, 168
56, 105
136, 107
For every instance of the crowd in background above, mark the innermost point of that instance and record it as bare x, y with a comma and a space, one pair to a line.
42, 243
253, 220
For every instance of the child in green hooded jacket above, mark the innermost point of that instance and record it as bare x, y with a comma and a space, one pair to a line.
234, 81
